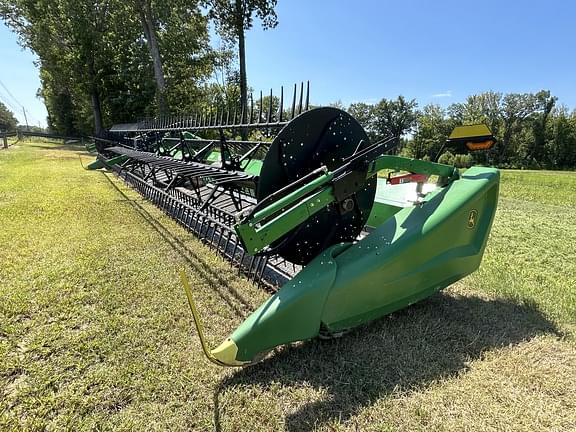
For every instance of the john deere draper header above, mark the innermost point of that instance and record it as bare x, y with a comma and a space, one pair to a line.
303, 211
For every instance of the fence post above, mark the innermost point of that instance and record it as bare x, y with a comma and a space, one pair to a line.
5, 139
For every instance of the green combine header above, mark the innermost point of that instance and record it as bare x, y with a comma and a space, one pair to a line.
337, 229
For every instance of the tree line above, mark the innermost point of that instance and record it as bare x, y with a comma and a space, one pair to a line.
112, 61
532, 129
7, 120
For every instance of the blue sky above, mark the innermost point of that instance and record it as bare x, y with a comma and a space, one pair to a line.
363, 50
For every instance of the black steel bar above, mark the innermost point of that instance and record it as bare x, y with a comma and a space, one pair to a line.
293, 103
300, 101
261, 108
281, 104
269, 120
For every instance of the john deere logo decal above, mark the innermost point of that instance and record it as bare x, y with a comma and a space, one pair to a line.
472, 218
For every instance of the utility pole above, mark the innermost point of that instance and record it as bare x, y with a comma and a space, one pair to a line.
26, 119
5, 140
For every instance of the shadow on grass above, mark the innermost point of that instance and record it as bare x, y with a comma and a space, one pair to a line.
217, 283
54, 145
431, 340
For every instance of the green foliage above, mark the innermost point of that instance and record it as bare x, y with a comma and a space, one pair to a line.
386, 118
446, 158
395, 117
95, 66
458, 160
234, 16
531, 131
433, 129
7, 120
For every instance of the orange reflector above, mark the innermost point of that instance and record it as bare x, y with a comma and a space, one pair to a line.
483, 145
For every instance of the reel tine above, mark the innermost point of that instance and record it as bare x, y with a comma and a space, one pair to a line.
301, 95
261, 108
293, 102
281, 108
307, 96
251, 108
270, 108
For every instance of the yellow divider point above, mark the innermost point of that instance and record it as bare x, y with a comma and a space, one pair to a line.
197, 320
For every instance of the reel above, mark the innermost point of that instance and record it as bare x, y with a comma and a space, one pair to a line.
316, 138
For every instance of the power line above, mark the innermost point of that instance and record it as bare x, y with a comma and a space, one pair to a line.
16, 110
10, 94
4, 100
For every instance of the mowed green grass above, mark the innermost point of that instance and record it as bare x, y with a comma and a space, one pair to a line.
96, 334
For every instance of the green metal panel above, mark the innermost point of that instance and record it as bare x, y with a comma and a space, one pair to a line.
381, 213
99, 163
253, 167
214, 156
292, 314
276, 220
418, 251
399, 163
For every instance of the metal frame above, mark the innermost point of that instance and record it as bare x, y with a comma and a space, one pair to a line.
213, 225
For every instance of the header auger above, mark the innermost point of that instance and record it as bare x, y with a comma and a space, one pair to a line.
303, 211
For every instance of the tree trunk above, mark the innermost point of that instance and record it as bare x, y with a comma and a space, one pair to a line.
96, 109
145, 11
95, 99
242, 58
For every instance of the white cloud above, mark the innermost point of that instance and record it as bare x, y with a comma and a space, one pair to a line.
447, 93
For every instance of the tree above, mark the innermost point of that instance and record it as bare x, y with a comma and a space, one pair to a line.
7, 120
394, 117
562, 138
233, 18
95, 63
67, 36
433, 129
176, 34
365, 115
544, 105
144, 8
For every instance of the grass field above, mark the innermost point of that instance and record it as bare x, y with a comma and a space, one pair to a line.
95, 332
